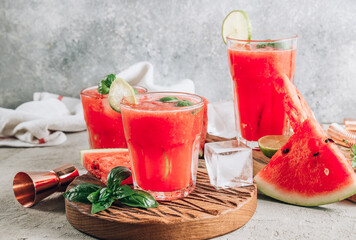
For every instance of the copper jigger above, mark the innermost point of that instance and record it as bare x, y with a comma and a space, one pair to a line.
32, 187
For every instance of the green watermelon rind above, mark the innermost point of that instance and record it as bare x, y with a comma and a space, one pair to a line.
298, 199
99, 150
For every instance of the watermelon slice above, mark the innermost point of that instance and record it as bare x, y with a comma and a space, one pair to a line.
309, 170
99, 162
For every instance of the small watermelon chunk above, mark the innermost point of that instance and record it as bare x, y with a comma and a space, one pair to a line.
309, 170
99, 162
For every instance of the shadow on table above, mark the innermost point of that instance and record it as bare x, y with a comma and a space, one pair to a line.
267, 198
53, 203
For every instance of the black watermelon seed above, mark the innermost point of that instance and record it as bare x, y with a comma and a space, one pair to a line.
315, 154
285, 150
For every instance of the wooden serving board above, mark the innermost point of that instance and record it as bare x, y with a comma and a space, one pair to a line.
260, 160
205, 213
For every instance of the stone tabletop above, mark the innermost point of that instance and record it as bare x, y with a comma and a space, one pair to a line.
47, 220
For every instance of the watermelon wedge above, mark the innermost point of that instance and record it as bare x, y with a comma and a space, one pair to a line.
99, 162
309, 170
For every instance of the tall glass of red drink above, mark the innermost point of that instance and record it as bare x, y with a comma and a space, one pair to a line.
254, 66
163, 140
104, 125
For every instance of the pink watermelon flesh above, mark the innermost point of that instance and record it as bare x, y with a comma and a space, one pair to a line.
100, 163
295, 106
309, 170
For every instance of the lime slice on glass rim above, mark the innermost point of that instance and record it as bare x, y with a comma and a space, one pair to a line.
236, 25
120, 89
270, 144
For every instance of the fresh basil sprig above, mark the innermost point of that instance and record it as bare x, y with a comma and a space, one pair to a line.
116, 176
140, 199
81, 192
101, 198
104, 85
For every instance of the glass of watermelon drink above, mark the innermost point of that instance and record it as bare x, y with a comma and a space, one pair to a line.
163, 140
254, 66
103, 123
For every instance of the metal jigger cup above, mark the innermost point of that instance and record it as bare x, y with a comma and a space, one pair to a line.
32, 187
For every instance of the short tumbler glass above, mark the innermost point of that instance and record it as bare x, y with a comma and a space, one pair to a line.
104, 125
163, 141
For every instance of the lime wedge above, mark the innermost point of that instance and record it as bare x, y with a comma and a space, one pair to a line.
236, 25
270, 144
120, 89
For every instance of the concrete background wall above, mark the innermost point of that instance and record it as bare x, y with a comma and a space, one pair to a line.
64, 46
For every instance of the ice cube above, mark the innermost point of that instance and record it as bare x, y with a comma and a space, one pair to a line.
229, 164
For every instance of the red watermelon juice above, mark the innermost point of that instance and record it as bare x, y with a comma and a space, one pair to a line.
163, 140
104, 125
254, 66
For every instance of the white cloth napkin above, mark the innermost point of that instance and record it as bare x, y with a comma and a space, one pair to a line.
221, 119
43, 121
142, 74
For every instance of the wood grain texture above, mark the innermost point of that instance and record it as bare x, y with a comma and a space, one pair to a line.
205, 213
260, 160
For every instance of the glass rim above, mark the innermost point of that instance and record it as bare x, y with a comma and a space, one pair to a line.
179, 109
291, 36
83, 92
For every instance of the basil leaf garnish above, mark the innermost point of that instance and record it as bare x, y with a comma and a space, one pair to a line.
276, 45
140, 199
116, 176
136, 92
81, 192
123, 191
169, 99
184, 103
104, 85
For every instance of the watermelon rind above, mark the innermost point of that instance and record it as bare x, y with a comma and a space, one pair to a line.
298, 199
99, 150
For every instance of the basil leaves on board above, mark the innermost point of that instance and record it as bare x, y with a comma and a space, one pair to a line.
81, 192
101, 198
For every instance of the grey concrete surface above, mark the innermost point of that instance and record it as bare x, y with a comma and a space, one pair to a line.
64, 46
46, 220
